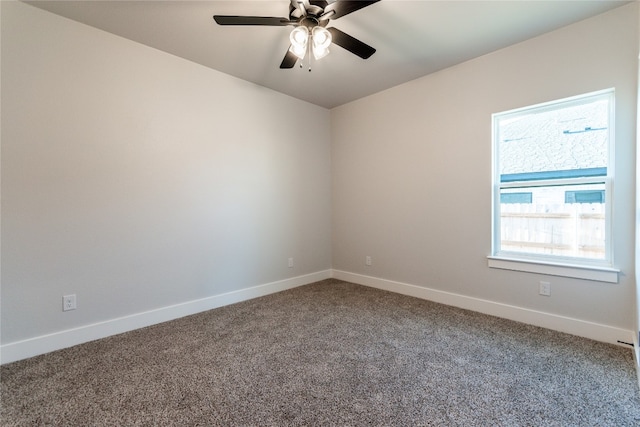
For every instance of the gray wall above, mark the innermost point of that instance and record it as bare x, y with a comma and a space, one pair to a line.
138, 180
412, 170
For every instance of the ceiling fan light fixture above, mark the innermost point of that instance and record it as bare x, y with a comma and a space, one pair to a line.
299, 38
321, 39
309, 19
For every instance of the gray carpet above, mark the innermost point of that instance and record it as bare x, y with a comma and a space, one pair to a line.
329, 353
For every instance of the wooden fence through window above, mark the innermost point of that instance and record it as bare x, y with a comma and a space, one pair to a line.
570, 229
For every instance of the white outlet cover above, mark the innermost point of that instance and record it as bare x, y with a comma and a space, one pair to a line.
69, 302
545, 288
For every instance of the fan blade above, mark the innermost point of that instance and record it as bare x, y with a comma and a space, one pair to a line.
252, 20
353, 45
289, 60
345, 7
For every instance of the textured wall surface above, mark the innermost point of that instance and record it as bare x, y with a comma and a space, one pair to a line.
412, 170
138, 180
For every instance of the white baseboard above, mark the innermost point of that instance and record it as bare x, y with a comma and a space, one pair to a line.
555, 322
19, 350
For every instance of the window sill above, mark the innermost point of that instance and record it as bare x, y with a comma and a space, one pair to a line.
596, 273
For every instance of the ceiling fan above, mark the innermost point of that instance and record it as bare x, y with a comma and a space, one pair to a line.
310, 17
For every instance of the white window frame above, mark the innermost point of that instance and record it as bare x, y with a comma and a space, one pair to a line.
582, 268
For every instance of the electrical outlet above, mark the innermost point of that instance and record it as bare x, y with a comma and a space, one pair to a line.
290, 262
69, 302
368, 261
545, 288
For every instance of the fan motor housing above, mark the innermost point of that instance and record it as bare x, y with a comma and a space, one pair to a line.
312, 11
312, 21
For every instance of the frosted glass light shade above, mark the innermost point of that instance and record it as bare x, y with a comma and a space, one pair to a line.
321, 39
299, 38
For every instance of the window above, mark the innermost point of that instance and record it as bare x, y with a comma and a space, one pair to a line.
514, 197
584, 196
552, 183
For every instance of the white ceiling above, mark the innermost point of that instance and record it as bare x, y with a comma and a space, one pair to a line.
412, 38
